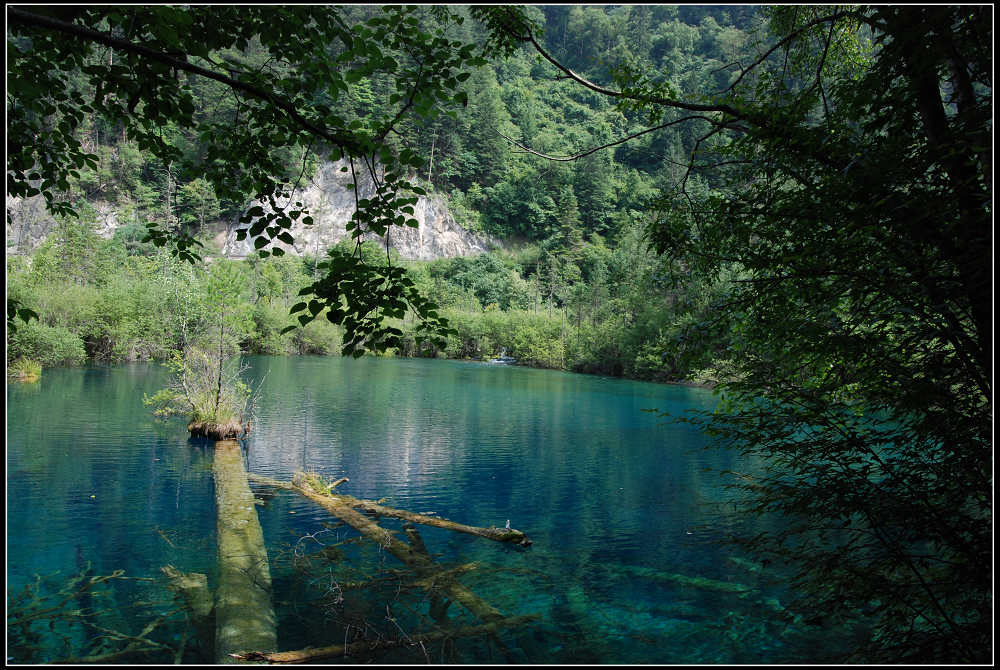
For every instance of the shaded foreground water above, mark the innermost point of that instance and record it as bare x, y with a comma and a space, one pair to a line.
624, 512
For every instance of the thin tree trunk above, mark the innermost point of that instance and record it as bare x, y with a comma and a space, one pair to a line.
167, 213
218, 385
430, 167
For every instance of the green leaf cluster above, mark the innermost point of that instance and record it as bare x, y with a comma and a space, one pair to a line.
365, 298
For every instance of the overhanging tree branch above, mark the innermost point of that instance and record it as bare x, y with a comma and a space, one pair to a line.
30, 19
677, 104
787, 40
587, 152
768, 125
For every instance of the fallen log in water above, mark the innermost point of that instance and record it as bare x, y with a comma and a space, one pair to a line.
703, 583
438, 603
194, 591
365, 646
496, 534
244, 616
344, 510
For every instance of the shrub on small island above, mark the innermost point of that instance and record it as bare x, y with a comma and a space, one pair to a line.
210, 391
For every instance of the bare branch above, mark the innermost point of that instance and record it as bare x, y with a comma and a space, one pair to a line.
787, 40
819, 74
587, 152
756, 118
690, 106
409, 103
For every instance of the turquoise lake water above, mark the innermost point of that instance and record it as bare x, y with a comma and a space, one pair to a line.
625, 511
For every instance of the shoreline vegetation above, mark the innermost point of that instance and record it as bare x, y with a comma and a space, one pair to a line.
103, 301
24, 370
234, 429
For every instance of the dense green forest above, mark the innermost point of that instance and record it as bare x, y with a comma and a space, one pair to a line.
572, 288
793, 201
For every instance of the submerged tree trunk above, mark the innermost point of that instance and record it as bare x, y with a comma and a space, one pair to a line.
244, 615
343, 510
194, 591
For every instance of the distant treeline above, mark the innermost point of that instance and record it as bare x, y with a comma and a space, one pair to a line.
590, 308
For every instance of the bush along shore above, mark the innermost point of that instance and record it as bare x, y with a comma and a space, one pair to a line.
116, 300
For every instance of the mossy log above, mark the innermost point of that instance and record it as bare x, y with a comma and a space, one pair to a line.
368, 646
438, 604
496, 534
404, 552
244, 615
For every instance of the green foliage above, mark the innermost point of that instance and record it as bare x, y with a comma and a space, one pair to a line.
360, 296
24, 369
149, 306
15, 310
533, 338
319, 337
268, 321
206, 389
52, 346
226, 306
198, 202
488, 277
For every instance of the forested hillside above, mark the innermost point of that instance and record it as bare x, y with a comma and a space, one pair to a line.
572, 288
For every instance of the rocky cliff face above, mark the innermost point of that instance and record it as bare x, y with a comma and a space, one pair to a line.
29, 222
330, 204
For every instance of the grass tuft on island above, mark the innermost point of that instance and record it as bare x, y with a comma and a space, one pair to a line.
24, 370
